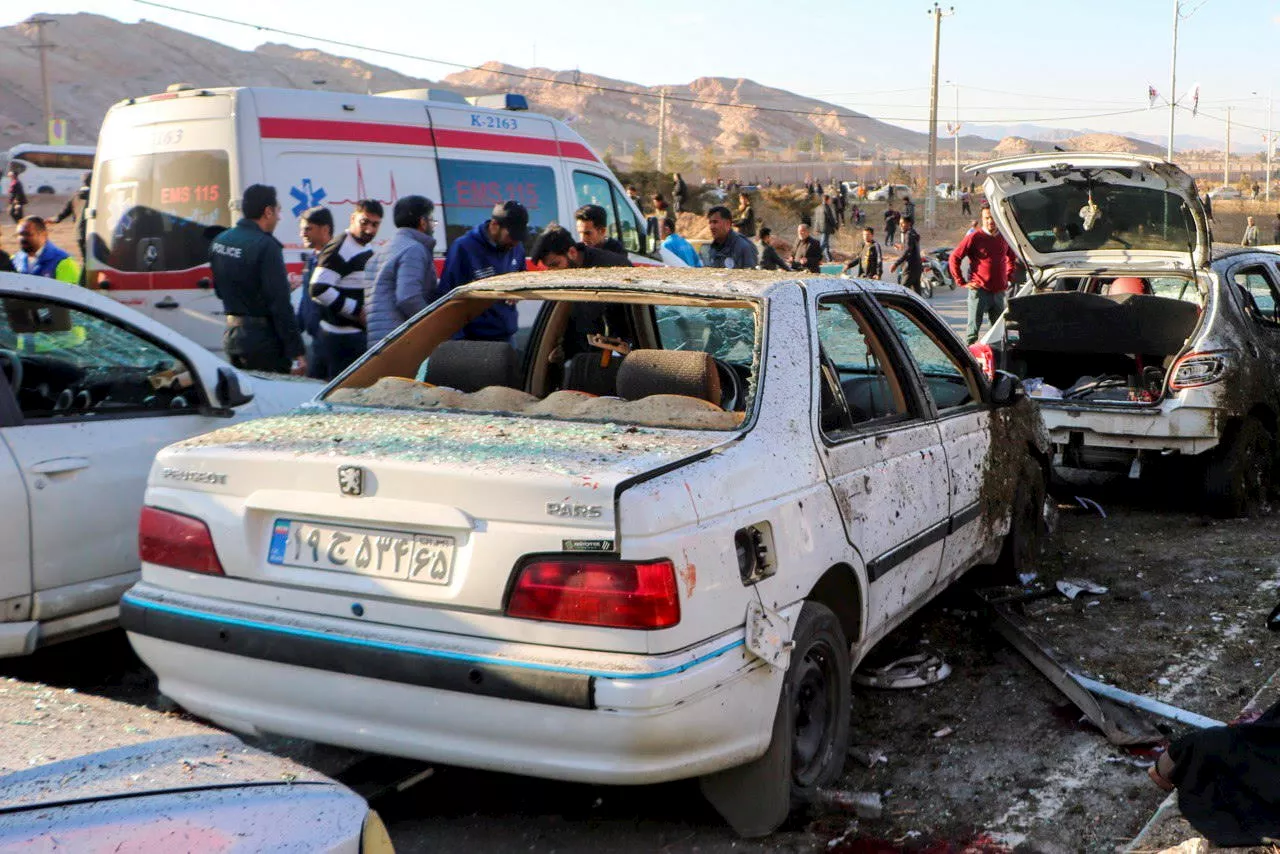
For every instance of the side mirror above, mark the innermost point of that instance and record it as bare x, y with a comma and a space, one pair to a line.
229, 391
1006, 389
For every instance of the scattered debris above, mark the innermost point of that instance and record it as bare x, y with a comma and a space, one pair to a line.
1090, 504
944, 732
1146, 704
1190, 846
868, 756
910, 671
1073, 587
861, 804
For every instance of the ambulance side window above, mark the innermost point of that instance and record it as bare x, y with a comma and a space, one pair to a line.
470, 188
593, 189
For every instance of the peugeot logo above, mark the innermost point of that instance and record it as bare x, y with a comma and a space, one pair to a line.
150, 254
351, 480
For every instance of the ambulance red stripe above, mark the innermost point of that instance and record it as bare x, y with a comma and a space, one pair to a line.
334, 131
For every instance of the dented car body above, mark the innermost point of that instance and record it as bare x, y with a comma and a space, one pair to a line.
1141, 346
648, 545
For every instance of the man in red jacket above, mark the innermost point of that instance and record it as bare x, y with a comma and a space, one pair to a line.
991, 263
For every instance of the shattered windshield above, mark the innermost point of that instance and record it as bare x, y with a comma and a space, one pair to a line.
1075, 216
727, 334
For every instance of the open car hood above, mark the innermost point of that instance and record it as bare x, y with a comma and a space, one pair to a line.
1090, 210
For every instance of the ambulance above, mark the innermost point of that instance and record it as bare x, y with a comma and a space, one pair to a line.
172, 167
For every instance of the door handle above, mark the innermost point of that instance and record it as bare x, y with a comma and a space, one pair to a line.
167, 302
60, 465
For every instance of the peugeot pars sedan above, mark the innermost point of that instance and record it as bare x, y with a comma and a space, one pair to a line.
90, 389
1143, 346
649, 544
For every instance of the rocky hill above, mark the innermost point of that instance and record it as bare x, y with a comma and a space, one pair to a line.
99, 61
1012, 145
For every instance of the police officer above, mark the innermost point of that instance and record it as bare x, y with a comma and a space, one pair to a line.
249, 277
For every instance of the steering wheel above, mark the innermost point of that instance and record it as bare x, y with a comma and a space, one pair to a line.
730, 386
11, 364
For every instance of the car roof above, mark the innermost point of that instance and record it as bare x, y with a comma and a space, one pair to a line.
694, 281
1230, 251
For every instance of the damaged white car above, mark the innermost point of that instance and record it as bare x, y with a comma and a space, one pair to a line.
1141, 349
648, 545
89, 391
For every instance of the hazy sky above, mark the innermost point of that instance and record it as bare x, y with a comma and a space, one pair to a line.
1015, 60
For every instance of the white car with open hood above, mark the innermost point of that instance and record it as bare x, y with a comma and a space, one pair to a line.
89, 391
649, 544
1143, 351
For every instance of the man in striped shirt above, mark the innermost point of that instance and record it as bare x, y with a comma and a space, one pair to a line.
337, 286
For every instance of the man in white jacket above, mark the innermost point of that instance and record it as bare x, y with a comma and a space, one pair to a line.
403, 279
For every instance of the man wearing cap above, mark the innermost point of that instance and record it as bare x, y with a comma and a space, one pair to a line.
493, 247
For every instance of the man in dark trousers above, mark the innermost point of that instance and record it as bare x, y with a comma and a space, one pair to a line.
808, 252
493, 247
745, 222
910, 259
891, 218
593, 229
316, 230
679, 192
825, 225
337, 286
869, 262
247, 265
69, 210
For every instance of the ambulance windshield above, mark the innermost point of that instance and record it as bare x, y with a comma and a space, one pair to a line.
158, 212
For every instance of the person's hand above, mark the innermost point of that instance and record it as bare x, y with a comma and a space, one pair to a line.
299, 368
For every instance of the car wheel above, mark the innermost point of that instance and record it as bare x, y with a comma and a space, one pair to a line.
927, 283
1237, 478
818, 686
810, 732
45, 189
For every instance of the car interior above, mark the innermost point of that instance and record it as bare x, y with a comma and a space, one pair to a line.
642, 358
62, 362
1105, 339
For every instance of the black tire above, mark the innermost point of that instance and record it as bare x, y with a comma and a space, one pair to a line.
1024, 544
818, 688
927, 284
1237, 480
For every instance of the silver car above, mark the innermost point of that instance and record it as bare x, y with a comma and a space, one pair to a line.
1141, 345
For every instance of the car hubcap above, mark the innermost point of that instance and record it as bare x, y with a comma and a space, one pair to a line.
814, 713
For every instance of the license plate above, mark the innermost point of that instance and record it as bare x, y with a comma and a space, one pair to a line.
425, 558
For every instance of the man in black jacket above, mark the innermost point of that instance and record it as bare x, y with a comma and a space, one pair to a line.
247, 265
593, 229
745, 222
69, 210
910, 259
556, 249
808, 251
868, 262
769, 257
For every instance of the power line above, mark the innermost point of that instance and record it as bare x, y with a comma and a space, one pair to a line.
595, 87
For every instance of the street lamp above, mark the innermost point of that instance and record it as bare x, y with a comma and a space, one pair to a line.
955, 135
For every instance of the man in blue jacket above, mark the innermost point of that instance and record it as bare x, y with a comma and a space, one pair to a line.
493, 247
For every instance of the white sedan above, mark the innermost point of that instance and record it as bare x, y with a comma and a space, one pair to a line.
89, 391
648, 544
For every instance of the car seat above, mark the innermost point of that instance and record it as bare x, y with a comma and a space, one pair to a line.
472, 365
588, 372
682, 372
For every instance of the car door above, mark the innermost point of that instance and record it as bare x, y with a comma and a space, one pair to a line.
952, 383
95, 399
15, 547
883, 454
1261, 297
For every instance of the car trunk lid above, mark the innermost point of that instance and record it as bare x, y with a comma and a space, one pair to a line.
472, 493
1082, 210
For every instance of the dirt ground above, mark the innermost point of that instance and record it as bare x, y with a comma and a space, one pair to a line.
1183, 622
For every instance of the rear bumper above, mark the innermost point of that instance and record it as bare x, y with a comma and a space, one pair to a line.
1181, 429
450, 699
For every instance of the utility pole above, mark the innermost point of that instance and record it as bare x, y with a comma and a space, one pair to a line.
931, 195
955, 136
1270, 146
43, 46
662, 130
1226, 156
1173, 79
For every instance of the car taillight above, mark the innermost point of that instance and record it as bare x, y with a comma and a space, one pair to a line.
176, 541
616, 593
1197, 369
986, 359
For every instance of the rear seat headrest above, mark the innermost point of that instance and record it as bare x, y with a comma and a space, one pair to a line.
687, 372
473, 365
